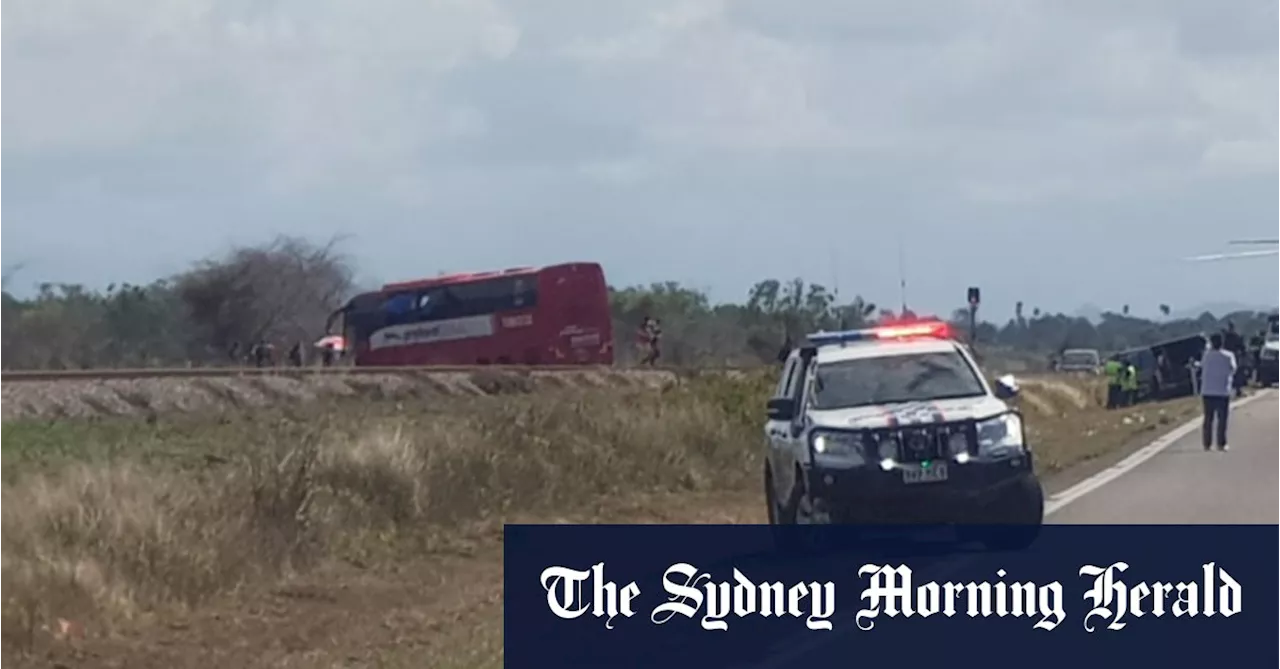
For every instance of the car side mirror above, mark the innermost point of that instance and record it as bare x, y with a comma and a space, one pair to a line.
782, 408
1006, 387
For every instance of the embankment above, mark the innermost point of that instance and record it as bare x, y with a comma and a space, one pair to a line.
150, 396
114, 524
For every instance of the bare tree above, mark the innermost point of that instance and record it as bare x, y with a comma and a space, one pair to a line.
282, 291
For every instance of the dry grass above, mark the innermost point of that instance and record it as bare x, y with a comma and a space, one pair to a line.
1067, 425
109, 521
105, 539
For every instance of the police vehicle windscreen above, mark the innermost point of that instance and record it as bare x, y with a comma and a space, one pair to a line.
891, 379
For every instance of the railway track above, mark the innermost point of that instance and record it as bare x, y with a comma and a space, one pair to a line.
17, 376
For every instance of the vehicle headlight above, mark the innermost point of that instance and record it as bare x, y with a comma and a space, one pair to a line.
1000, 434
958, 447
837, 449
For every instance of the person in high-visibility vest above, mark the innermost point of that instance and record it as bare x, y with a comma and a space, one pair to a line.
1113, 369
1130, 385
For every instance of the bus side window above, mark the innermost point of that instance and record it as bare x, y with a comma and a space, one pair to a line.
398, 309
492, 296
432, 304
518, 293
523, 294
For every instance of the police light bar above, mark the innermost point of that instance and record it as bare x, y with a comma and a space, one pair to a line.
927, 329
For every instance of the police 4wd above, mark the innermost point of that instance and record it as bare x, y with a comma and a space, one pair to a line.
897, 424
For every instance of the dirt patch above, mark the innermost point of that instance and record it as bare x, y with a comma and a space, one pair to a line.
1036, 402
1076, 394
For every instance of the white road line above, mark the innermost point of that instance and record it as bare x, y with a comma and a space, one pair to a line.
1056, 502
797, 649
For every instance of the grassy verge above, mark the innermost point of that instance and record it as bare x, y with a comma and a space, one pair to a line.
105, 520
110, 520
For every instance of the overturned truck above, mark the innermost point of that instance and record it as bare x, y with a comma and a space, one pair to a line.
1269, 354
1167, 369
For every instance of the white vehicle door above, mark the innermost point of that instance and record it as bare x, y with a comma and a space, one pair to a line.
787, 446
778, 432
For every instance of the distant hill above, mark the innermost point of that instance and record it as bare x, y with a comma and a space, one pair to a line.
1219, 309
1093, 312
1090, 311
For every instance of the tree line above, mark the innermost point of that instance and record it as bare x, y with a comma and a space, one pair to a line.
284, 291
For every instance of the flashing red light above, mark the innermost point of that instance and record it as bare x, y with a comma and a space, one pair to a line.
921, 329
936, 329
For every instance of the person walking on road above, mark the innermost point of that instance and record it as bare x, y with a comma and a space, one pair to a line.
1217, 373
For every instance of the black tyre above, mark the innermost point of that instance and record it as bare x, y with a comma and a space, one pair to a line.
780, 519
774, 509
788, 520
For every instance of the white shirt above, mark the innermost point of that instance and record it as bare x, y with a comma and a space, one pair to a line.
1217, 369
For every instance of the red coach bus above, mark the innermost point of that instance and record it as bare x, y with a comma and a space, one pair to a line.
556, 315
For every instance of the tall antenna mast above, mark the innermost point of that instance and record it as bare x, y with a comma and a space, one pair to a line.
835, 286
835, 276
902, 270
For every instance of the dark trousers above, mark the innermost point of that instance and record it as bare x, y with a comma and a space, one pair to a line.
1216, 410
1113, 395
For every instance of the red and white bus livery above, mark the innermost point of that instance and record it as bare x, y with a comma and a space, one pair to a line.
555, 315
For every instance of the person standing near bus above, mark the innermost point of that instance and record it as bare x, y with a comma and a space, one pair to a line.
1113, 370
1217, 373
1130, 384
650, 338
642, 338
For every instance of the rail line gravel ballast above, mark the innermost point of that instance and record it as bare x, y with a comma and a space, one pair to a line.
143, 392
9, 376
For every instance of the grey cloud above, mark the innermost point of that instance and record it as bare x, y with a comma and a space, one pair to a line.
1030, 146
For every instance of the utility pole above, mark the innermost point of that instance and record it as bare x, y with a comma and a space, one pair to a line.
975, 297
842, 324
902, 271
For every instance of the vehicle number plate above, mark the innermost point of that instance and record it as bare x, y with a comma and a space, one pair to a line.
936, 471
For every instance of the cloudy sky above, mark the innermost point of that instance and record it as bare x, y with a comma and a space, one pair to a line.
1054, 152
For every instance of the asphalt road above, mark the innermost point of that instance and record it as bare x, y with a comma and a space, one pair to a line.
1174, 484
1184, 485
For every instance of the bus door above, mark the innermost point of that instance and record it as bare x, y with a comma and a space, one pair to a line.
355, 321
